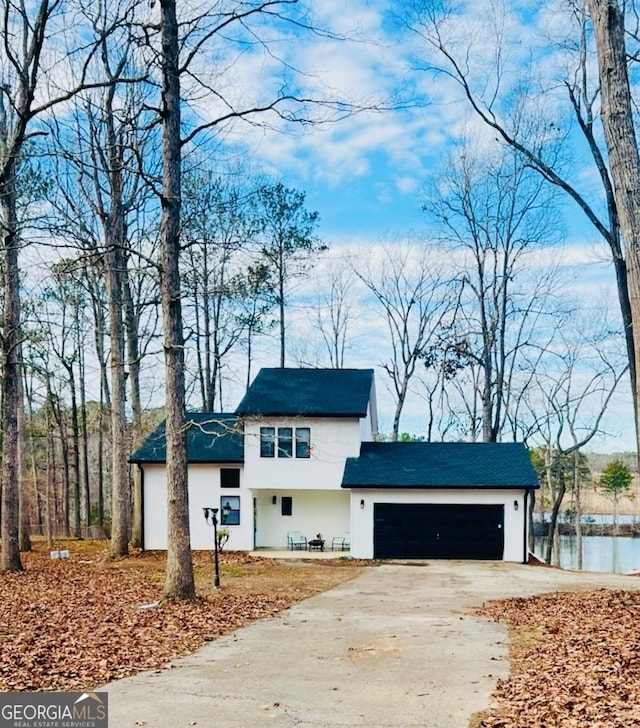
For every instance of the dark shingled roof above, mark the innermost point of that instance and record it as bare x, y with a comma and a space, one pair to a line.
211, 438
440, 465
310, 392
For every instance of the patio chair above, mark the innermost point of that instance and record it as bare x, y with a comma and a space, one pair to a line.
295, 540
341, 543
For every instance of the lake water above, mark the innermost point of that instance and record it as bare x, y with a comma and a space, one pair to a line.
614, 554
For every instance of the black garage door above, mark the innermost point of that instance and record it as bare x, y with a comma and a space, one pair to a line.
428, 531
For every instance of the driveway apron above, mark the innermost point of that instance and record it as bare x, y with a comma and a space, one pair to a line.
398, 646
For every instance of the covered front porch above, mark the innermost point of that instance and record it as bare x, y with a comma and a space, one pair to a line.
308, 512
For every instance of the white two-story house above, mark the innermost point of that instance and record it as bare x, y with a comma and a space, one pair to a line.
298, 455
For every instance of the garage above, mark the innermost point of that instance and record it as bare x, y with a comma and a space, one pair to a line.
438, 531
429, 500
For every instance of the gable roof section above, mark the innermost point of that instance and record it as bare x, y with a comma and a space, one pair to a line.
440, 465
310, 392
211, 438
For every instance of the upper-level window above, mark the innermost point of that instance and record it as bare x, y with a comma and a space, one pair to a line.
285, 442
267, 442
229, 477
303, 442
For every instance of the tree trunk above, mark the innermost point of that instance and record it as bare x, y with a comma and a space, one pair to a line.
624, 161
114, 231
75, 443
179, 582
101, 420
50, 474
552, 536
120, 496
10, 386
615, 514
281, 309
86, 492
38, 506
99, 326
133, 359
577, 495
25, 530
64, 453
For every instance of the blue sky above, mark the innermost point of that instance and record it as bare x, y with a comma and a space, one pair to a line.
365, 174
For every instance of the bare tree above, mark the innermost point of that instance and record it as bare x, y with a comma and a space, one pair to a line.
103, 147
24, 33
67, 350
218, 234
335, 311
415, 301
27, 44
450, 381
495, 214
520, 113
573, 388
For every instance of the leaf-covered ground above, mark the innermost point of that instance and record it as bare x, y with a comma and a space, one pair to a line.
575, 661
79, 623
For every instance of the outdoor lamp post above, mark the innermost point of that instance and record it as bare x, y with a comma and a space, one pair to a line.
210, 516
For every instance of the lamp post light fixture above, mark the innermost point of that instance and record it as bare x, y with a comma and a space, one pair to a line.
211, 517
226, 510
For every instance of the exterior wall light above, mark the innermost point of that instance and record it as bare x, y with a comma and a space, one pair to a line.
516, 505
362, 503
274, 499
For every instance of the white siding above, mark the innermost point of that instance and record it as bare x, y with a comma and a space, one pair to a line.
204, 492
362, 518
332, 441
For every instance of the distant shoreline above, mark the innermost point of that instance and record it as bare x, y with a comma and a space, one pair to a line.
631, 530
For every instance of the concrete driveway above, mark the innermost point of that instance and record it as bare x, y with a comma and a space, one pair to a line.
396, 646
